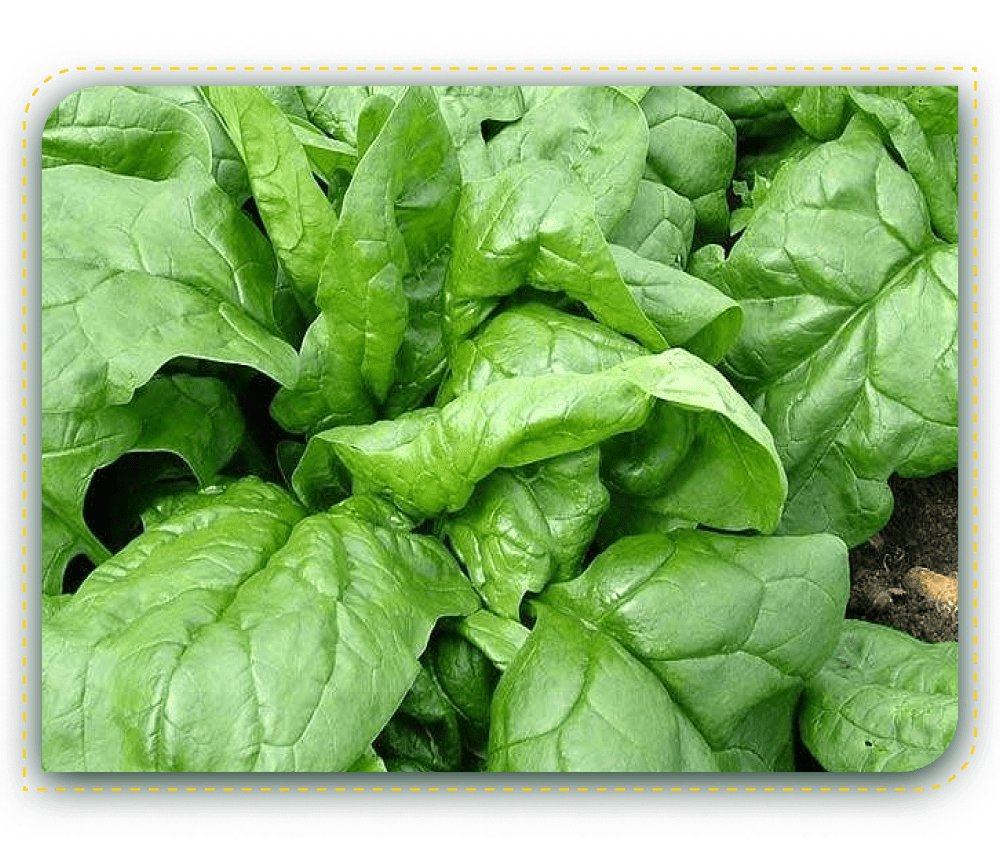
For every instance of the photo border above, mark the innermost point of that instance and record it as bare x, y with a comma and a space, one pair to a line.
934, 792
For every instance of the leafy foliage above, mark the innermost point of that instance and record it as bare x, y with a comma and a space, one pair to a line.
508, 428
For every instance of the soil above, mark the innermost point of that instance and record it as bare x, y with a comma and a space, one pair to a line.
923, 533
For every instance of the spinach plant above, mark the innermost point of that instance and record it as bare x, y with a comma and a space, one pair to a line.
488, 428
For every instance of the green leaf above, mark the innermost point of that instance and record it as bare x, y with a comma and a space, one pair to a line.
381, 287
527, 527
884, 702
923, 127
680, 467
821, 110
659, 225
687, 311
124, 131
597, 132
850, 344
429, 461
227, 166
298, 217
533, 224
465, 108
326, 155
692, 149
221, 642
195, 417
757, 111
607, 681
529, 340
498, 638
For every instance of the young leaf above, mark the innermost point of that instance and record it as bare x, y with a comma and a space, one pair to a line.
527, 527
380, 291
298, 217
597, 132
692, 149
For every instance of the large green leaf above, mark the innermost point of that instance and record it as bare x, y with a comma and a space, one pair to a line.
195, 417
681, 467
234, 636
850, 343
381, 287
883, 702
683, 652
430, 460
136, 272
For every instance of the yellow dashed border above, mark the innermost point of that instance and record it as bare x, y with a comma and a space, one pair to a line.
493, 68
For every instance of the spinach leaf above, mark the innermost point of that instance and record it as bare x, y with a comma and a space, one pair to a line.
883, 702
124, 131
429, 461
218, 643
595, 131
834, 269
607, 682
534, 224
692, 149
298, 217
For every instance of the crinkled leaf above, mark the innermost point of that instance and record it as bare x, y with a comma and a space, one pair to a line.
883, 702
597, 132
195, 417
680, 467
124, 131
923, 127
529, 340
850, 342
227, 166
465, 108
429, 461
236, 636
692, 149
608, 682
757, 111
525, 528
659, 225
533, 224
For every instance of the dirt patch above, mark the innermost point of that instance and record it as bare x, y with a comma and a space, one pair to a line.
890, 583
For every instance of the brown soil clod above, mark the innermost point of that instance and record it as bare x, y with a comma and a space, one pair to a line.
934, 586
